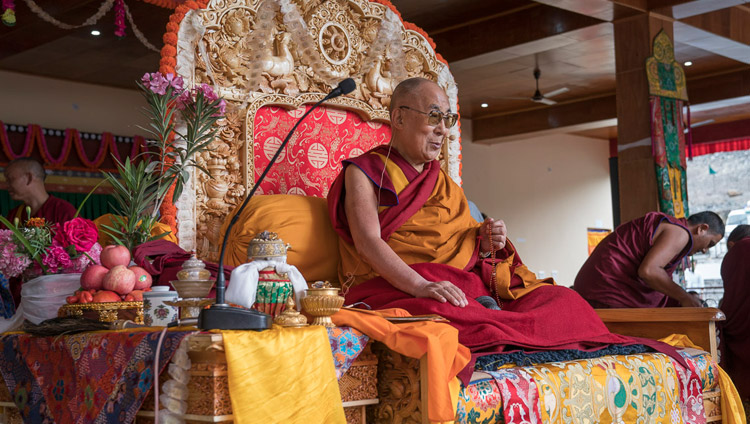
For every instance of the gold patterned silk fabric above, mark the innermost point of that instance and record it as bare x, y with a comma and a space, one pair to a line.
283, 375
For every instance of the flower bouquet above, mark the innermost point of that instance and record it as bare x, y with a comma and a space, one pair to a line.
182, 124
49, 259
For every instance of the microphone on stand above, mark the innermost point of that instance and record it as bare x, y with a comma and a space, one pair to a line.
220, 315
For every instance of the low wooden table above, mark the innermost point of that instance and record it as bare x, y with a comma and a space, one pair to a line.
209, 399
699, 324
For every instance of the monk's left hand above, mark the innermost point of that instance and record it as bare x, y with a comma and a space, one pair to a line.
499, 234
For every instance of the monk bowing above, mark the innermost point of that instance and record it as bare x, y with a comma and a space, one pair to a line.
632, 267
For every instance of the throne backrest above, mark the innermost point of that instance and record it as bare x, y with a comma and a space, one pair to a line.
272, 59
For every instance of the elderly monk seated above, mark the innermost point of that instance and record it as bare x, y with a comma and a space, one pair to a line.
632, 267
735, 331
25, 179
407, 240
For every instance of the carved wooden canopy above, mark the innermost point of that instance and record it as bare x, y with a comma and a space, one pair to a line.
289, 53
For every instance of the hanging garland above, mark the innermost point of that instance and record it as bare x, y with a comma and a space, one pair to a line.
103, 9
36, 130
101, 154
121, 11
119, 18
9, 13
71, 138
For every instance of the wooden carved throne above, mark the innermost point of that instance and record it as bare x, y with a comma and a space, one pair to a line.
270, 60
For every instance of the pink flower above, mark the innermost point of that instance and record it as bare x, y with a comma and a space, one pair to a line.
55, 258
183, 100
222, 108
12, 264
155, 82
208, 92
80, 263
176, 82
80, 233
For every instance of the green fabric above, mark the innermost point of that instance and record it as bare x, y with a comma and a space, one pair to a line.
666, 76
96, 206
670, 125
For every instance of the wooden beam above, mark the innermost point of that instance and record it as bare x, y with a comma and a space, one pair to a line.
592, 112
495, 129
605, 10
732, 23
526, 25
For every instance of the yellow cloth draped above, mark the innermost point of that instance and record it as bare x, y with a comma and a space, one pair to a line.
108, 219
442, 231
439, 341
732, 411
284, 375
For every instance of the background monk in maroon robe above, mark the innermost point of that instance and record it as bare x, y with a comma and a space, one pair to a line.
632, 267
25, 179
407, 240
735, 331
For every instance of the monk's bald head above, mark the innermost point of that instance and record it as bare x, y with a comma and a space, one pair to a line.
29, 165
407, 89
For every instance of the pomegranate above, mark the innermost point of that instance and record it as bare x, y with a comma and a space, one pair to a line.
106, 296
137, 295
85, 297
142, 278
114, 255
93, 276
119, 279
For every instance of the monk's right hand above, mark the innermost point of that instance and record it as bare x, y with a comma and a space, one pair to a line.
691, 301
442, 291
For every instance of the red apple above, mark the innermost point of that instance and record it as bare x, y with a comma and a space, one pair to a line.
93, 276
142, 278
114, 255
119, 279
106, 296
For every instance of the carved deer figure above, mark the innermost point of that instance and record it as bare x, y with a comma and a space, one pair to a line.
282, 63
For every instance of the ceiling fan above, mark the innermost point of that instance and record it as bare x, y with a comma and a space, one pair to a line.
538, 97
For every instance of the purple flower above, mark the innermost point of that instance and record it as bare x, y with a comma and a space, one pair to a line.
222, 108
176, 82
183, 100
155, 82
208, 92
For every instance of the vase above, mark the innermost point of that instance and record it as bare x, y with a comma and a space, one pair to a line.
156, 313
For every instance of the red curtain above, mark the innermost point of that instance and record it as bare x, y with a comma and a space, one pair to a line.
730, 145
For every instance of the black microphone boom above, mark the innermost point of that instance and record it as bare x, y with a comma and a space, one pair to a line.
220, 315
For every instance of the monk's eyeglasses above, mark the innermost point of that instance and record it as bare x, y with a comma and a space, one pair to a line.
434, 117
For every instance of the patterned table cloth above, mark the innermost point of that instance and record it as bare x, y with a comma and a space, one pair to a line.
105, 376
649, 387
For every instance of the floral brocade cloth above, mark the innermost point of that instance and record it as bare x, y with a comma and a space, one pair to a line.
649, 387
83, 378
346, 345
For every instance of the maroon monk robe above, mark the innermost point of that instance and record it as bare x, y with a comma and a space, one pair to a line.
548, 318
735, 331
54, 210
609, 277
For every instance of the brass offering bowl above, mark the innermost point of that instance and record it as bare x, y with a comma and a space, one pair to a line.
321, 303
192, 289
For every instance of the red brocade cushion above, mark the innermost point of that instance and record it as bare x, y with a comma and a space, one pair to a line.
312, 158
